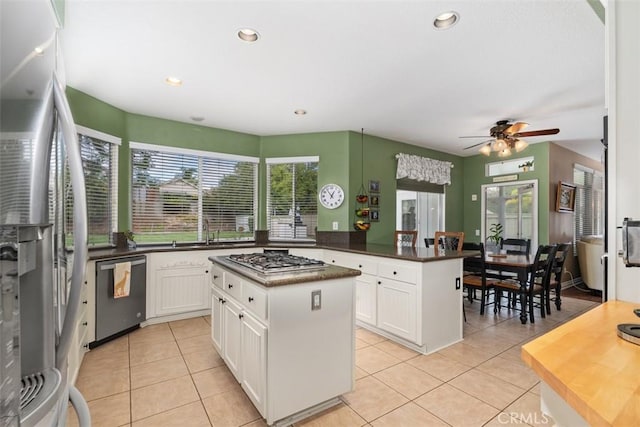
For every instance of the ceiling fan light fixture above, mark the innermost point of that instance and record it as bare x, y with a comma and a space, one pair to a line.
173, 81
499, 145
505, 152
486, 150
520, 145
446, 20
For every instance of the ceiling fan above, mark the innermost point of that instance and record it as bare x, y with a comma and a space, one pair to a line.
506, 136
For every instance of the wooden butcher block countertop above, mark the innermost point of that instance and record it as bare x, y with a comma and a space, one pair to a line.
590, 367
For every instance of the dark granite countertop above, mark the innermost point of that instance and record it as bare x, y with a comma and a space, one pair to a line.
287, 278
419, 254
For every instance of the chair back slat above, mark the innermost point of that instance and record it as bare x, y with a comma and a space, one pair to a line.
516, 246
450, 240
405, 238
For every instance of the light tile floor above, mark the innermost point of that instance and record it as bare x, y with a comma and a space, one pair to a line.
170, 375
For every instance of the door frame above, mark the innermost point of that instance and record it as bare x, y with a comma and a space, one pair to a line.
483, 206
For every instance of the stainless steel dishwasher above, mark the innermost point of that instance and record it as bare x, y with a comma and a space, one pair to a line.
115, 315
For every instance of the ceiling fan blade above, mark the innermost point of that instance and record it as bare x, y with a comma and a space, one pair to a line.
536, 133
479, 136
516, 127
478, 144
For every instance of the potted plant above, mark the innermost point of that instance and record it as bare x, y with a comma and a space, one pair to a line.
131, 243
493, 239
526, 166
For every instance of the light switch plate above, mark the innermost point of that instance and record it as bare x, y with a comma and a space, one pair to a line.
474, 197
335, 225
316, 300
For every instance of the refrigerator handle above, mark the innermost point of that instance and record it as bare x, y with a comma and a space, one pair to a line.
80, 233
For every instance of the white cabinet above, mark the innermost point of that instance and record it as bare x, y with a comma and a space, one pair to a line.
178, 282
238, 336
254, 356
84, 331
397, 307
366, 298
418, 304
231, 340
288, 358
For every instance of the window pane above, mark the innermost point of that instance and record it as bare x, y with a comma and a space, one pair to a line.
100, 165
589, 211
176, 197
292, 208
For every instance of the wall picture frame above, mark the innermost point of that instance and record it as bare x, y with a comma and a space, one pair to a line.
374, 186
374, 200
565, 197
374, 215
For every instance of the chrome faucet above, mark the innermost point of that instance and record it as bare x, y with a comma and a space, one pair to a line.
205, 226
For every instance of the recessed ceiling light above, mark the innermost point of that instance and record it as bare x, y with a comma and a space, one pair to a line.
173, 81
300, 112
248, 35
39, 51
446, 20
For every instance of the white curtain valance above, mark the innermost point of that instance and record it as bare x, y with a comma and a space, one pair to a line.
423, 169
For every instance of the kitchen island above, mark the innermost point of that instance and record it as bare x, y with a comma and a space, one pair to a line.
590, 376
288, 337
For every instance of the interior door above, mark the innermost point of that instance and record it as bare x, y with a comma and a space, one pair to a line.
515, 206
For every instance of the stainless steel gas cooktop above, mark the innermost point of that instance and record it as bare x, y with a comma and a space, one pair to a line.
276, 262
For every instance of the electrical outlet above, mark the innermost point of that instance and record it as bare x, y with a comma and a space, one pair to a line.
474, 197
335, 225
477, 232
316, 300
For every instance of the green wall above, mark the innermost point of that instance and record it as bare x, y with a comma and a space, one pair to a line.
380, 164
341, 161
474, 178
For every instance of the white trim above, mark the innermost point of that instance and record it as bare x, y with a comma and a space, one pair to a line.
17, 135
177, 150
301, 159
583, 168
534, 202
91, 133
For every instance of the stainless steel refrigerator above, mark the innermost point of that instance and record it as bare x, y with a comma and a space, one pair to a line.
39, 161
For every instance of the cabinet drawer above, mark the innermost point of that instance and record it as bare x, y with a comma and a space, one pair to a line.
366, 266
255, 299
401, 272
233, 285
217, 276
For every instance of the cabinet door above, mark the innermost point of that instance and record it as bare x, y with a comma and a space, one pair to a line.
217, 304
366, 298
182, 289
231, 337
254, 360
397, 307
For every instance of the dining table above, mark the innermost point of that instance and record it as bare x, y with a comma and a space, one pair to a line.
521, 265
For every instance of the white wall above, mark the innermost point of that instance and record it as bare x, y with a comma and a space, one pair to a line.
623, 87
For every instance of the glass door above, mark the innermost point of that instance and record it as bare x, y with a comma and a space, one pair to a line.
420, 211
514, 205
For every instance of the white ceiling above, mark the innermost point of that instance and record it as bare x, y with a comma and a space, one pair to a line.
377, 65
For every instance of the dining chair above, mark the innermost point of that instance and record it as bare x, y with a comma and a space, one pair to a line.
450, 240
537, 282
516, 246
475, 276
555, 283
405, 238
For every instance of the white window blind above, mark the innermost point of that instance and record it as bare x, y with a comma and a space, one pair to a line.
178, 194
292, 204
100, 165
589, 207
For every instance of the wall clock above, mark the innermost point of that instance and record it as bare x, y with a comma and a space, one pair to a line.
331, 196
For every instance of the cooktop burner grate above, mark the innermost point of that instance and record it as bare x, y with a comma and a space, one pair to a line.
275, 262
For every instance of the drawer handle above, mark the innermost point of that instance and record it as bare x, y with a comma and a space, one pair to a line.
333, 261
85, 302
379, 282
395, 272
230, 286
250, 299
222, 301
206, 271
86, 346
85, 282
240, 316
85, 323
359, 265
215, 277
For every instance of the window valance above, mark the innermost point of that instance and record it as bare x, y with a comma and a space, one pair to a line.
423, 169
